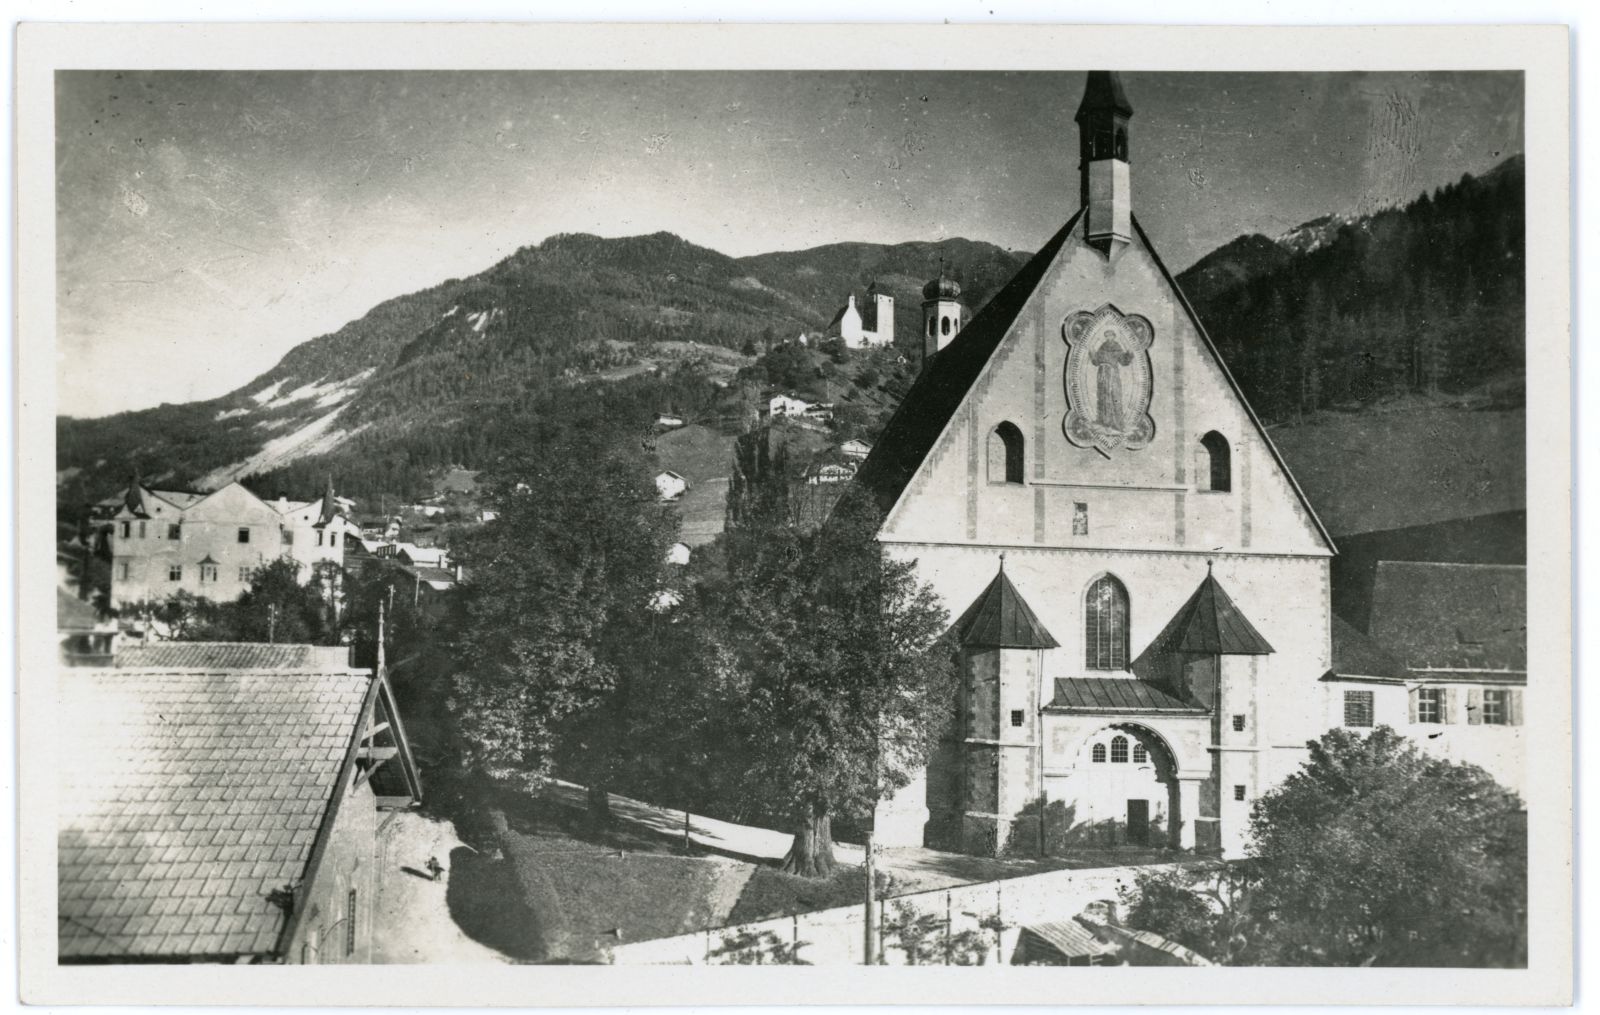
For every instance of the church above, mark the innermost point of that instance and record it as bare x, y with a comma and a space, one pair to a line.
1141, 590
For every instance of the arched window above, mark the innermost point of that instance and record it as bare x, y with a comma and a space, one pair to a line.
1140, 755
1119, 750
1214, 463
1005, 454
1098, 754
1122, 143
931, 327
944, 325
1105, 626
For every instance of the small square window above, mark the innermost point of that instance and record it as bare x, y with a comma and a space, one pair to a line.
1494, 708
1238, 724
244, 574
174, 531
244, 534
1238, 792
1430, 705
1358, 708
175, 573
1016, 717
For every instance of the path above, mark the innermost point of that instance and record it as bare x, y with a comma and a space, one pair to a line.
913, 868
412, 910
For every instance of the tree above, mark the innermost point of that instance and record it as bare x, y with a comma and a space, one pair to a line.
845, 679
1372, 854
1375, 853
555, 621
275, 608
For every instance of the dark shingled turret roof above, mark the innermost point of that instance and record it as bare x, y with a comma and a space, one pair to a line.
1210, 624
1104, 91
133, 499
330, 507
1000, 618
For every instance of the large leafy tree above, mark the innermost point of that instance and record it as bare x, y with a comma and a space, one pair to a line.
554, 624
845, 676
1373, 853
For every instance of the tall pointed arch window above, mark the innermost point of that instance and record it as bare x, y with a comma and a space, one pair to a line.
1214, 463
1005, 454
1105, 627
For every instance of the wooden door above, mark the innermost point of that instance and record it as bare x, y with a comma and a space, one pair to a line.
1138, 822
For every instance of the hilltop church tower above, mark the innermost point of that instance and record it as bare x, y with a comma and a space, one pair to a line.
1158, 648
941, 314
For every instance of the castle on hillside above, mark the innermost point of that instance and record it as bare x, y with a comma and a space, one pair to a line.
1141, 587
868, 326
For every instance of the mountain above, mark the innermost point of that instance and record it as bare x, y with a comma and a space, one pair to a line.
1341, 313
421, 381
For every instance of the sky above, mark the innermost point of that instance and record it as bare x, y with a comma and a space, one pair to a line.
208, 222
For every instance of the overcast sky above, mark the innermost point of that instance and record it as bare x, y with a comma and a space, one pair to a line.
209, 222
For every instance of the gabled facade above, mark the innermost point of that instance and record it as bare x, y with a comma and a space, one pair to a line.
165, 541
226, 803
1084, 425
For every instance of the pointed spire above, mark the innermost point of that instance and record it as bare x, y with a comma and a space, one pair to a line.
133, 499
1001, 618
382, 668
1103, 93
330, 507
1210, 624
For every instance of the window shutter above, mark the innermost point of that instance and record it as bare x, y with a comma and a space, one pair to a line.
1474, 707
1514, 708
1447, 705
1416, 692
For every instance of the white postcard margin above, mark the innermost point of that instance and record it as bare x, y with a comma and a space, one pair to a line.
1540, 52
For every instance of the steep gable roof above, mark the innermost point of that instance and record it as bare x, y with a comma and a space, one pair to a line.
939, 390
1001, 618
1453, 617
188, 798
943, 384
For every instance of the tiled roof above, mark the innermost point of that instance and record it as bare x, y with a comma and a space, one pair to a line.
221, 655
186, 798
1114, 694
1356, 654
1001, 618
1070, 938
1209, 623
940, 387
1453, 617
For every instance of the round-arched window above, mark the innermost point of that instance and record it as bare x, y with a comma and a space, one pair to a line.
944, 325
1140, 755
1119, 750
1098, 753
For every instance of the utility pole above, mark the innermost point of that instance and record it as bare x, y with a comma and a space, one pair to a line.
870, 945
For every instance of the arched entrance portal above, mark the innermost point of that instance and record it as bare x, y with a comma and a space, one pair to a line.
1122, 790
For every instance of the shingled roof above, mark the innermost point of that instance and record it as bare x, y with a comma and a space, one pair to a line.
1116, 694
943, 383
187, 798
1462, 619
1210, 624
221, 655
1001, 618
1357, 654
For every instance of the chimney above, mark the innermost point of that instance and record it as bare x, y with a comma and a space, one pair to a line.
1104, 187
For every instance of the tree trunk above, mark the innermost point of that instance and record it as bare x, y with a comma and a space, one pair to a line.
811, 853
599, 806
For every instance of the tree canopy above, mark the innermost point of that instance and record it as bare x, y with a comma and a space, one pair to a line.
1373, 853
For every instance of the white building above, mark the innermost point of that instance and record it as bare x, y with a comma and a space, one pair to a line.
670, 485
163, 541
868, 326
1141, 586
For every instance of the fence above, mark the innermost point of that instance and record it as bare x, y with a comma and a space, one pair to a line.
835, 936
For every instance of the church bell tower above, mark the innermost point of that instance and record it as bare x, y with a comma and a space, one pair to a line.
1103, 161
941, 314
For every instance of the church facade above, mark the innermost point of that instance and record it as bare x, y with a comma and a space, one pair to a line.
1142, 590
